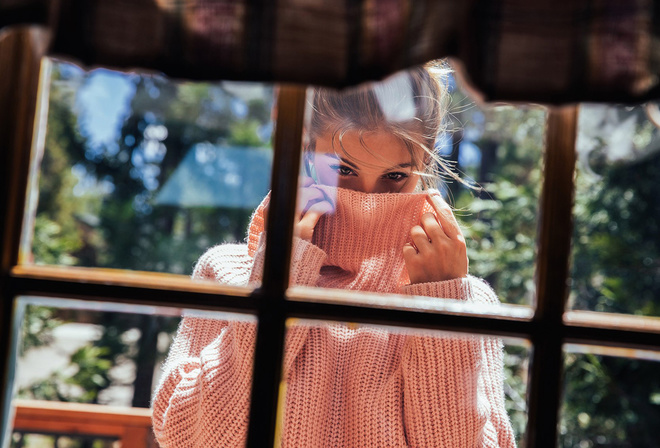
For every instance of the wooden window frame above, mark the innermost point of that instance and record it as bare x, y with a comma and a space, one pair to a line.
21, 52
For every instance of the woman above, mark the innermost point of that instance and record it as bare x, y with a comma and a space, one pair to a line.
364, 224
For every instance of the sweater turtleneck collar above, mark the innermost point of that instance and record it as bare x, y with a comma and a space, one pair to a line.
363, 238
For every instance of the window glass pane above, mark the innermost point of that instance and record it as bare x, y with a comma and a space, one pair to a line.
362, 385
139, 172
616, 249
610, 398
384, 158
128, 358
499, 149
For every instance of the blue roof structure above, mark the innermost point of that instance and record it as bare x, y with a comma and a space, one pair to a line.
219, 176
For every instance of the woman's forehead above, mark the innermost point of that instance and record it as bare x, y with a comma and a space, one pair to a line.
381, 148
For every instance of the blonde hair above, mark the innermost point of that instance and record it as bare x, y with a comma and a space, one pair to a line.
410, 105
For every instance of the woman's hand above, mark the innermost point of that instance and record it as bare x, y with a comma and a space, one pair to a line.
312, 204
438, 250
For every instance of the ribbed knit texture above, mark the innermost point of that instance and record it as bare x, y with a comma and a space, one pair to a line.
346, 386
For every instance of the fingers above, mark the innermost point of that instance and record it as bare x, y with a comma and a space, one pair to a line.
437, 250
409, 253
316, 211
426, 234
446, 217
312, 204
419, 238
305, 228
432, 227
307, 197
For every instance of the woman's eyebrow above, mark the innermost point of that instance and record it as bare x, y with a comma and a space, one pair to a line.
399, 166
354, 166
347, 162
342, 160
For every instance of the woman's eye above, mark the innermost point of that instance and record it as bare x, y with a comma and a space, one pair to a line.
342, 170
396, 176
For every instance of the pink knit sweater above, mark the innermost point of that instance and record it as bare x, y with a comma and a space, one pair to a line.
346, 386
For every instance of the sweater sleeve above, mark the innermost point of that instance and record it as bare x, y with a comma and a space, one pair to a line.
203, 398
456, 379
457, 288
204, 395
206, 378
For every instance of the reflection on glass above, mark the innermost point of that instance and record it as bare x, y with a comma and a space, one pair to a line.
358, 385
89, 352
139, 172
381, 163
123, 355
610, 400
616, 250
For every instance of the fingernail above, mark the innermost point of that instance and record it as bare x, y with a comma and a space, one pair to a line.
434, 192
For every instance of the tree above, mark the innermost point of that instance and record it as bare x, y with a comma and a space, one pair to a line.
612, 401
164, 121
95, 209
498, 210
57, 238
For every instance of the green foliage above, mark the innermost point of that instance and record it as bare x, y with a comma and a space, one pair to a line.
96, 209
616, 258
104, 215
500, 221
37, 327
502, 240
53, 243
93, 367
90, 366
149, 237
89, 370
610, 402
57, 236
516, 365
244, 133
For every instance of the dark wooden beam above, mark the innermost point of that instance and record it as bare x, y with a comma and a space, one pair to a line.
21, 51
554, 246
279, 230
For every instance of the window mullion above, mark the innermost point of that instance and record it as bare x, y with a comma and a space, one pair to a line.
21, 51
279, 230
555, 234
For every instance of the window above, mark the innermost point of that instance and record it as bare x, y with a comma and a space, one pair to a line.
142, 173
615, 253
548, 329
